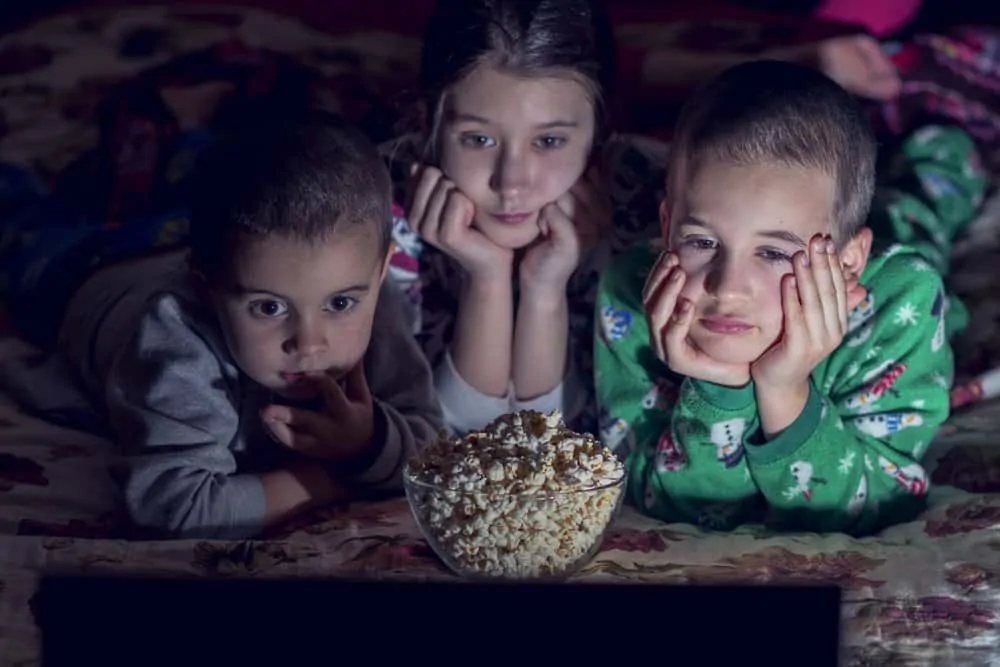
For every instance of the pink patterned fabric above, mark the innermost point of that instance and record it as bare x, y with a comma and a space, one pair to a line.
881, 18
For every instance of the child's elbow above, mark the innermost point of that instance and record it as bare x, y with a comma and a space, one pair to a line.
188, 505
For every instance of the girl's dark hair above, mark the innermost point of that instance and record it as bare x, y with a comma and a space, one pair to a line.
522, 37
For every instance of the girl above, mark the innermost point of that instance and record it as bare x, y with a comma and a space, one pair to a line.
515, 194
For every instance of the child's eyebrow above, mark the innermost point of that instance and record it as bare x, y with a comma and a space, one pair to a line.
784, 235
243, 290
548, 125
554, 124
469, 118
360, 287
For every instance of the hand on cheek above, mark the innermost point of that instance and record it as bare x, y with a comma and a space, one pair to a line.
551, 259
670, 317
815, 304
442, 215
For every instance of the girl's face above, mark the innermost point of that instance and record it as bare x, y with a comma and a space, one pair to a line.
513, 145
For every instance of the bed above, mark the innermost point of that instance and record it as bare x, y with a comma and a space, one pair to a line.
923, 593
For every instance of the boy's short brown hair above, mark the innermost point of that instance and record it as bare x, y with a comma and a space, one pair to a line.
303, 175
776, 112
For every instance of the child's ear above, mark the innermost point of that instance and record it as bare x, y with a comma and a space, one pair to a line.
854, 256
385, 262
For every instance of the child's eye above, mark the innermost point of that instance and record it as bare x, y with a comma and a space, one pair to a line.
700, 243
773, 256
342, 304
268, 308
471, 140
550, 142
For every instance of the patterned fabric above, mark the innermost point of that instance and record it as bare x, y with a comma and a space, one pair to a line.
954, 77
923, 593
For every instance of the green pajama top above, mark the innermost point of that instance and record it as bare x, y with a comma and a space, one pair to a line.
850, 462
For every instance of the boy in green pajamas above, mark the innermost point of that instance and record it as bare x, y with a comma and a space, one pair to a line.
769, 362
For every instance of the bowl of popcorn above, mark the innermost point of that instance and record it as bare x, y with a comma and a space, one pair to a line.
525, 498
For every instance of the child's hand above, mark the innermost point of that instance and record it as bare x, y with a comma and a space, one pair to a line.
814, 300
857, 63
341, 432
442, 216
670, 316
551, 259
572, 224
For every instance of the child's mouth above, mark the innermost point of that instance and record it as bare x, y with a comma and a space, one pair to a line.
293, 378
726, 325
511, 218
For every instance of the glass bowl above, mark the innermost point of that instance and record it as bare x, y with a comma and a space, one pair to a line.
528, 535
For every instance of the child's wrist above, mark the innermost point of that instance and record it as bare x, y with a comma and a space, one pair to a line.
489, 284
780, 407
543, 297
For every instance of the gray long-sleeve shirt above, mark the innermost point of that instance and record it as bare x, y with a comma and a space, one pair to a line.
188, 421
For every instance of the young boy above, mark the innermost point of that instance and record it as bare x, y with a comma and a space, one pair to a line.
270, 370
768, 363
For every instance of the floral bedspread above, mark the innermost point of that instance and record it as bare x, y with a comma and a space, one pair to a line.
923, 593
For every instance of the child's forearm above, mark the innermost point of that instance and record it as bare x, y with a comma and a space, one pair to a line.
540, 340
302, 486
779, 407
481, 346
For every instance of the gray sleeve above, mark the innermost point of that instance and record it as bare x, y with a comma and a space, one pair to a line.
169, 404
407, 412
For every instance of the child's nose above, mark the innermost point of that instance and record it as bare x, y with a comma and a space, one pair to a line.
727, 279
510, 176
309, 340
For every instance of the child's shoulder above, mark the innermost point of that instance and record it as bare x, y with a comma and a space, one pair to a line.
899, 271
902, 312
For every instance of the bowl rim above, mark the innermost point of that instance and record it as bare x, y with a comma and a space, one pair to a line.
410, 480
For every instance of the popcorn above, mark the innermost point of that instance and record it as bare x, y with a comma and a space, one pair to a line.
524, 497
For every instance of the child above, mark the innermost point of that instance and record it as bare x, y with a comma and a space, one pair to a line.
514, 195
270, 371
785, 365
510, 194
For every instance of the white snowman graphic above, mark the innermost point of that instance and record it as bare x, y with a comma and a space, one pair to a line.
802, 471
614, 432
857, 501
938, 310
860, 321
727, 436
886, 424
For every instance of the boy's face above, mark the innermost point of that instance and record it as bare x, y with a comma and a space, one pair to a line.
735, 230
292, 307
512, 145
